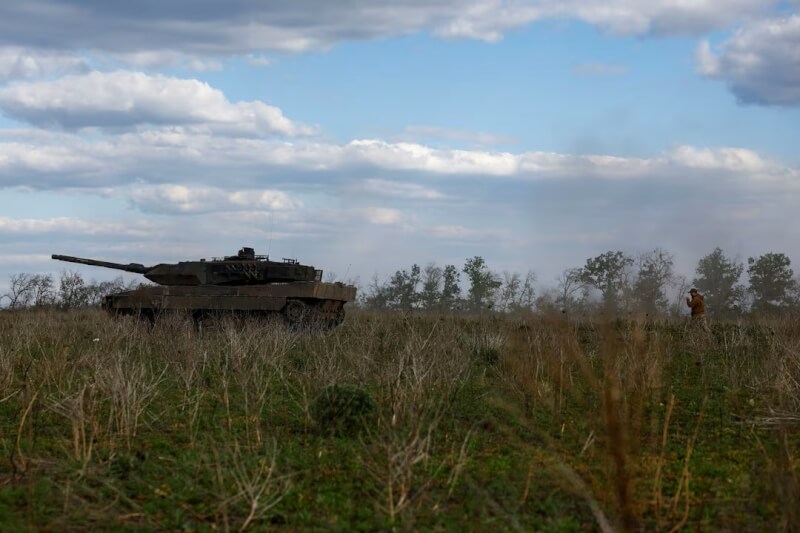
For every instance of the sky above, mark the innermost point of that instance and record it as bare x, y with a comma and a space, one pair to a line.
362, 136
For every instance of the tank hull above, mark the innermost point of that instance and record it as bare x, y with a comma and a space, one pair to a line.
300, 303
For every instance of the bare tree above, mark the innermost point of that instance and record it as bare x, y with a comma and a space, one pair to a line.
26, 290
548, 302
678, 304
71, 290
527, 292
19, 291
508, 294
517, 293
95, 291
570, 282
43, 293
377, 294
655, 272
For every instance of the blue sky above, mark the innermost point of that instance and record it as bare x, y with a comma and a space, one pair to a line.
368, 137
536, 87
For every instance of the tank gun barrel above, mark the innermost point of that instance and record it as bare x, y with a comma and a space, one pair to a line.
131, 267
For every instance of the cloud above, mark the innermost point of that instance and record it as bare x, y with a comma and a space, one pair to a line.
418, 157
180, 199
545, 223
324, 222
124, 99
330, 222
159, 59
71, 225
175, 178
472, 138
459, 232
393, 189
760, 62
664, 17
256, 60
548, 165
242, 26
380, 215
23, 259
706, 62
599, 69
20, 161
300, 222
734, 160
175, 156
21, 63
204, 65
748, 214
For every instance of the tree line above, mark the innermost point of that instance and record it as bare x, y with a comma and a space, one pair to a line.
69, 291
612, 283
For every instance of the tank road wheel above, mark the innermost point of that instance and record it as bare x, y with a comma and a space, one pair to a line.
339, 317
295, 313
200, 320
148, 317
326, 314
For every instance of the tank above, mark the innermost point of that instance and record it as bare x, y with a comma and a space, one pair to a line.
241, 284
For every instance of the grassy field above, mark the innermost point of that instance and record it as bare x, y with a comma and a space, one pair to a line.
398, 422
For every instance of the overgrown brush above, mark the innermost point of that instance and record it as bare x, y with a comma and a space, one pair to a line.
398, 422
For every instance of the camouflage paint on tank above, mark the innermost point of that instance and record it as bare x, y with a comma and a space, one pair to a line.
242, 284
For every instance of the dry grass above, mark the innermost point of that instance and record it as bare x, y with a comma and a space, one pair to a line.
482, 423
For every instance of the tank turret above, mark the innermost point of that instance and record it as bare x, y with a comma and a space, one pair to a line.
244, 268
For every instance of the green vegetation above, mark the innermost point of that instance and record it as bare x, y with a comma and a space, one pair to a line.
343, 409
613, 283
404, 421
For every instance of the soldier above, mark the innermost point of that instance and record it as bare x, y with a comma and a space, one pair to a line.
697, 304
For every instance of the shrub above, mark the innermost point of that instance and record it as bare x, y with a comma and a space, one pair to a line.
343, 409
